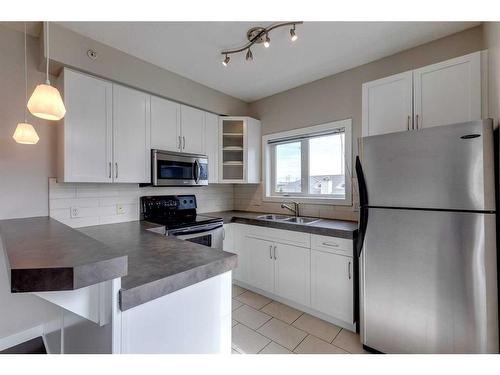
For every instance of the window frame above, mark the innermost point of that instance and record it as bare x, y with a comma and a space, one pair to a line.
269, 163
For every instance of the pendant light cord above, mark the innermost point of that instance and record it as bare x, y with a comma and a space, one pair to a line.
48, 51
25, 77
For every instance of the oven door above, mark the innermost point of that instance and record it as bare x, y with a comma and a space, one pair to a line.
210, 235
176, 169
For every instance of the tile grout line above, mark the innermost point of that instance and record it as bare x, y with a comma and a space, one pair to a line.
297, 319
338, 333
293, 350
269, 343
265, 305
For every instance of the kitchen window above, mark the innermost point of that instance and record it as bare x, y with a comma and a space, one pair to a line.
310, 164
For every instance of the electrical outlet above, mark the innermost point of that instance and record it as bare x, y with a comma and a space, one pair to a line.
75, 212
120, 209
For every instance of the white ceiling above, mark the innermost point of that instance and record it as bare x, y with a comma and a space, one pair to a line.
192, 49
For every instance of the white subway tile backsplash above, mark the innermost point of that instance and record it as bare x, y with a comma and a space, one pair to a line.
97, 203
69, 202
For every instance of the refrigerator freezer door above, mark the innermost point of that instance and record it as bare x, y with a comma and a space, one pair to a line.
429, 284
446, 167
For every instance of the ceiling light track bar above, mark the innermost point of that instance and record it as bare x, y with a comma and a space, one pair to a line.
257, 38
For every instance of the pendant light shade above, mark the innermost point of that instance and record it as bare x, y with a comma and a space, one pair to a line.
46, 103
26, 134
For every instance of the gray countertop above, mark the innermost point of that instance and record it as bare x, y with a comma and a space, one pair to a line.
325, 227
158, 265
44, 255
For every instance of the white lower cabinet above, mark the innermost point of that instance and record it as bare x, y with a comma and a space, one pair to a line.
292, 273
310, 272
332, 284
278, 268
231, 237
260, 263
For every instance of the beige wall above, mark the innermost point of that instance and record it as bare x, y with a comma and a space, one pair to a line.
70, 49
339, 97
24, 172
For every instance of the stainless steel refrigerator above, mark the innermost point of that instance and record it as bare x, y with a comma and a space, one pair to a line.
427, 240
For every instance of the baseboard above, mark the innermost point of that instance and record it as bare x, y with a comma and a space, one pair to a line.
20, 337
298, 306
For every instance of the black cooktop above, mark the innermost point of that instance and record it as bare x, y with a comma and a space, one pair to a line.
173, 211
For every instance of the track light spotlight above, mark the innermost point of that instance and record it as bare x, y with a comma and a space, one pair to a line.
293, 36
226, 60
249, 55
267, 41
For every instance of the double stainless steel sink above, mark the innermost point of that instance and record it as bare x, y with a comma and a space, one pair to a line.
288, 219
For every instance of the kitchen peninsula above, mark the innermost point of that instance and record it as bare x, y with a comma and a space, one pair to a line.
123, 288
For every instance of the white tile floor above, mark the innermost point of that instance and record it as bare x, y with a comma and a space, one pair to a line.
264, 326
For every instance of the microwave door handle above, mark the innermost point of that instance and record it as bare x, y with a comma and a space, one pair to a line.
196, 167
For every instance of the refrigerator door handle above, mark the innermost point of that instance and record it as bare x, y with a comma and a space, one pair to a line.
363, 206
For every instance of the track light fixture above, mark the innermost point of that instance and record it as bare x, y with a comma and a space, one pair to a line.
249, 56
260, 35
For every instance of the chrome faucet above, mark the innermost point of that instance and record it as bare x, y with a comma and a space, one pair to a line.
295, 208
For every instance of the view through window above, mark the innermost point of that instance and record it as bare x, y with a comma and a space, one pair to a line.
310, 164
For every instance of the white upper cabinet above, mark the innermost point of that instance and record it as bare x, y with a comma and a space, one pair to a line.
387, 104
240, 150
85, 133
192, 129
448, 92
131, 130
211, 149
165, 124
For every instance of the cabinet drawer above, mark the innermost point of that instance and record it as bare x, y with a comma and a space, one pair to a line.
333, 245
279, 235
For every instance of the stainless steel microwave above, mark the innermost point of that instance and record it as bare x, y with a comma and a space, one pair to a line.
178, 169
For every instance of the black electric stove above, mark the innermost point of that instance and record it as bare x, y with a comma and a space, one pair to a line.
174, 211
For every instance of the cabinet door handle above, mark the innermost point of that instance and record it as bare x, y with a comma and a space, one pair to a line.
183, 142
330, 244
271, 252
275, 257
180, 142
110, 168
116, 170
416, 122
349, 269
408, 123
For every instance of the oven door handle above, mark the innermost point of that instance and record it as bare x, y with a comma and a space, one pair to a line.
194, 230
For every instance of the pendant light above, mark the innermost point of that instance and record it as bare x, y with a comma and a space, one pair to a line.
46, 101
25, 133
